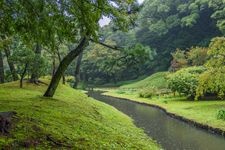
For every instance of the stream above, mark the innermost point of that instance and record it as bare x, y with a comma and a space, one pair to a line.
170, 133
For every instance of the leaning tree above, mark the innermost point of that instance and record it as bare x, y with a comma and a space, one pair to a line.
86, 15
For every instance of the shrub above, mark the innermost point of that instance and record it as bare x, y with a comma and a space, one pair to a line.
152, 91
179, 60
163, 91
221, 114
148, 92
216, 53
70, 79
212, 82
83, 86
197, 56
185, 81
120, 92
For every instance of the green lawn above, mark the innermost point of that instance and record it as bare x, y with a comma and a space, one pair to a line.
69, 119
200, 111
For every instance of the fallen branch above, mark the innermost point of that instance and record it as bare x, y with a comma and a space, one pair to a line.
36, 82
49, 138
39, 81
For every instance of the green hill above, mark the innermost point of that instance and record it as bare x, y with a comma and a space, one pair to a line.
156, 80
70, 120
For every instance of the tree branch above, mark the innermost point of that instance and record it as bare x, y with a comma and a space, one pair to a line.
106, 45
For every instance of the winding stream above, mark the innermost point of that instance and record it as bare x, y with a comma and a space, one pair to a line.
171, 133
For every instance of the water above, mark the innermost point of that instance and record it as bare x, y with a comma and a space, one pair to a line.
171, 133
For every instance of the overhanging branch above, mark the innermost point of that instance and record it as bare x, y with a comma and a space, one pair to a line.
106, 45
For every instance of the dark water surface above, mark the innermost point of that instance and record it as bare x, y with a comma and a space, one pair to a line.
171, 133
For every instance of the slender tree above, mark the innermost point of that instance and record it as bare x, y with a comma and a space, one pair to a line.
77, 70
36, 64
11, 64
23, 75
1, 68
23, 58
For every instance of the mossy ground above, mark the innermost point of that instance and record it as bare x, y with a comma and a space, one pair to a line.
69, 120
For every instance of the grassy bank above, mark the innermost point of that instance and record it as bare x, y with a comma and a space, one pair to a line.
204, 112
70, 120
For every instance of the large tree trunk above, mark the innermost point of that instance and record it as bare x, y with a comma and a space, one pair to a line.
11, 65
77, 71
63, 76
34, 75
53, 65
63, 66
1, 68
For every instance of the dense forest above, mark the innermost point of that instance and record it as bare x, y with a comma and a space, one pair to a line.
155, 49
159, 29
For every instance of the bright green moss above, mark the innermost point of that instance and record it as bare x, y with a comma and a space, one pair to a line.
70, 118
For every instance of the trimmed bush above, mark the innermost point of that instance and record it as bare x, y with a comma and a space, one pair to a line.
70, 79
221, 114
148, 92
152, 91
185, 81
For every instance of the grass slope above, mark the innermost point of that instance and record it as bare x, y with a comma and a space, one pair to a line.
70, 120
119, 83
156, 80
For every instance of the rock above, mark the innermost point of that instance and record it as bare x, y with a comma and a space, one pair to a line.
6, 121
